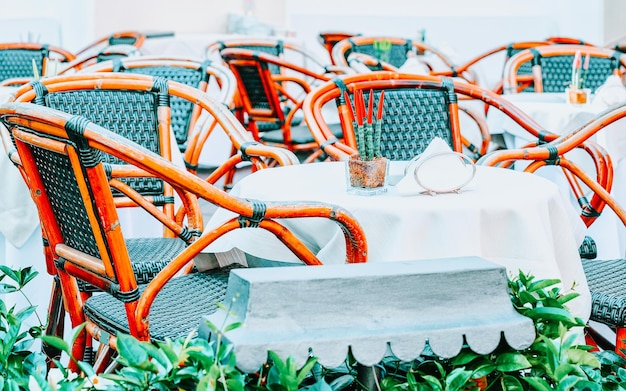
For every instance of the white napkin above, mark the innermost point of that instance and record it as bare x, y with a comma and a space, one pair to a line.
611, 92
408, 185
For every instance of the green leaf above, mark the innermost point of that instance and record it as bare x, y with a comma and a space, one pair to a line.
582, 357
511, 383
551, 314
306, 369
130, 348
538, 383
232, 326
510, 362
543, 284
12, 274
56, 342
457, 379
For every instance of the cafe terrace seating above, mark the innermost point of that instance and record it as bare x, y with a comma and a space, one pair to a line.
605, 277
271, 102
552, 67
62, 156
25, 61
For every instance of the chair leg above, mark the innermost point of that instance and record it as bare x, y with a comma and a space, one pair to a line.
620, 341
595, 338
56, 321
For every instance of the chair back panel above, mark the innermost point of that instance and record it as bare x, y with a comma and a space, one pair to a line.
131, 114
392, 53
412, 118
68, 207
19, 62
557, 72
181, 109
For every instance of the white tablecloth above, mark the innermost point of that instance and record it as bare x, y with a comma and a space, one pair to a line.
552, 112
516, 219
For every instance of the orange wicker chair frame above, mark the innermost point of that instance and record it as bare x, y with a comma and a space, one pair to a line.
197, 74
16, 61
328, 39
271, 101
552, 67
288, 51
61, 155
391, 50
604, 277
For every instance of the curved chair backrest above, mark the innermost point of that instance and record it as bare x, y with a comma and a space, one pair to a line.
416, 108
552, 67
284, 49
328, 39
134, 38
392, 50
197, 74
19, 60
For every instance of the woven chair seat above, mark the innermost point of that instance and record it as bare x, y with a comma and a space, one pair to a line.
176, 311
299, 134
148, 257
608, 290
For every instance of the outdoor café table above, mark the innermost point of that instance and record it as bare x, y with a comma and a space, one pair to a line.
518, 220
554, 114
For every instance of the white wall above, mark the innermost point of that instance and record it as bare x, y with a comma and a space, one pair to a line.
67, 23
461, 28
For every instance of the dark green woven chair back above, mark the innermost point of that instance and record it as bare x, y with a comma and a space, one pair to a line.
393, 54
412, 118
131, 114
61, 186
181, 109
19, 62
557, 72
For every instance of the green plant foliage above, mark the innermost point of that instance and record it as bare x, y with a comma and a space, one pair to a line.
553, 362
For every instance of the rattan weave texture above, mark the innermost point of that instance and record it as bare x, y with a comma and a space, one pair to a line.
61, 186
19, 63
608, 290
131, 114
180, 108
177, 309
557, 72
412, 118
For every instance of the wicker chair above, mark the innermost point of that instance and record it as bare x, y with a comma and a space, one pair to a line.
328, 39
62, 156
552, 67
272, 102
604, 277
198, 74
17, 61
416, 109
116, 45
136, 106
392, 50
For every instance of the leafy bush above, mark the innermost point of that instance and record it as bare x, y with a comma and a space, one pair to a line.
553, 362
